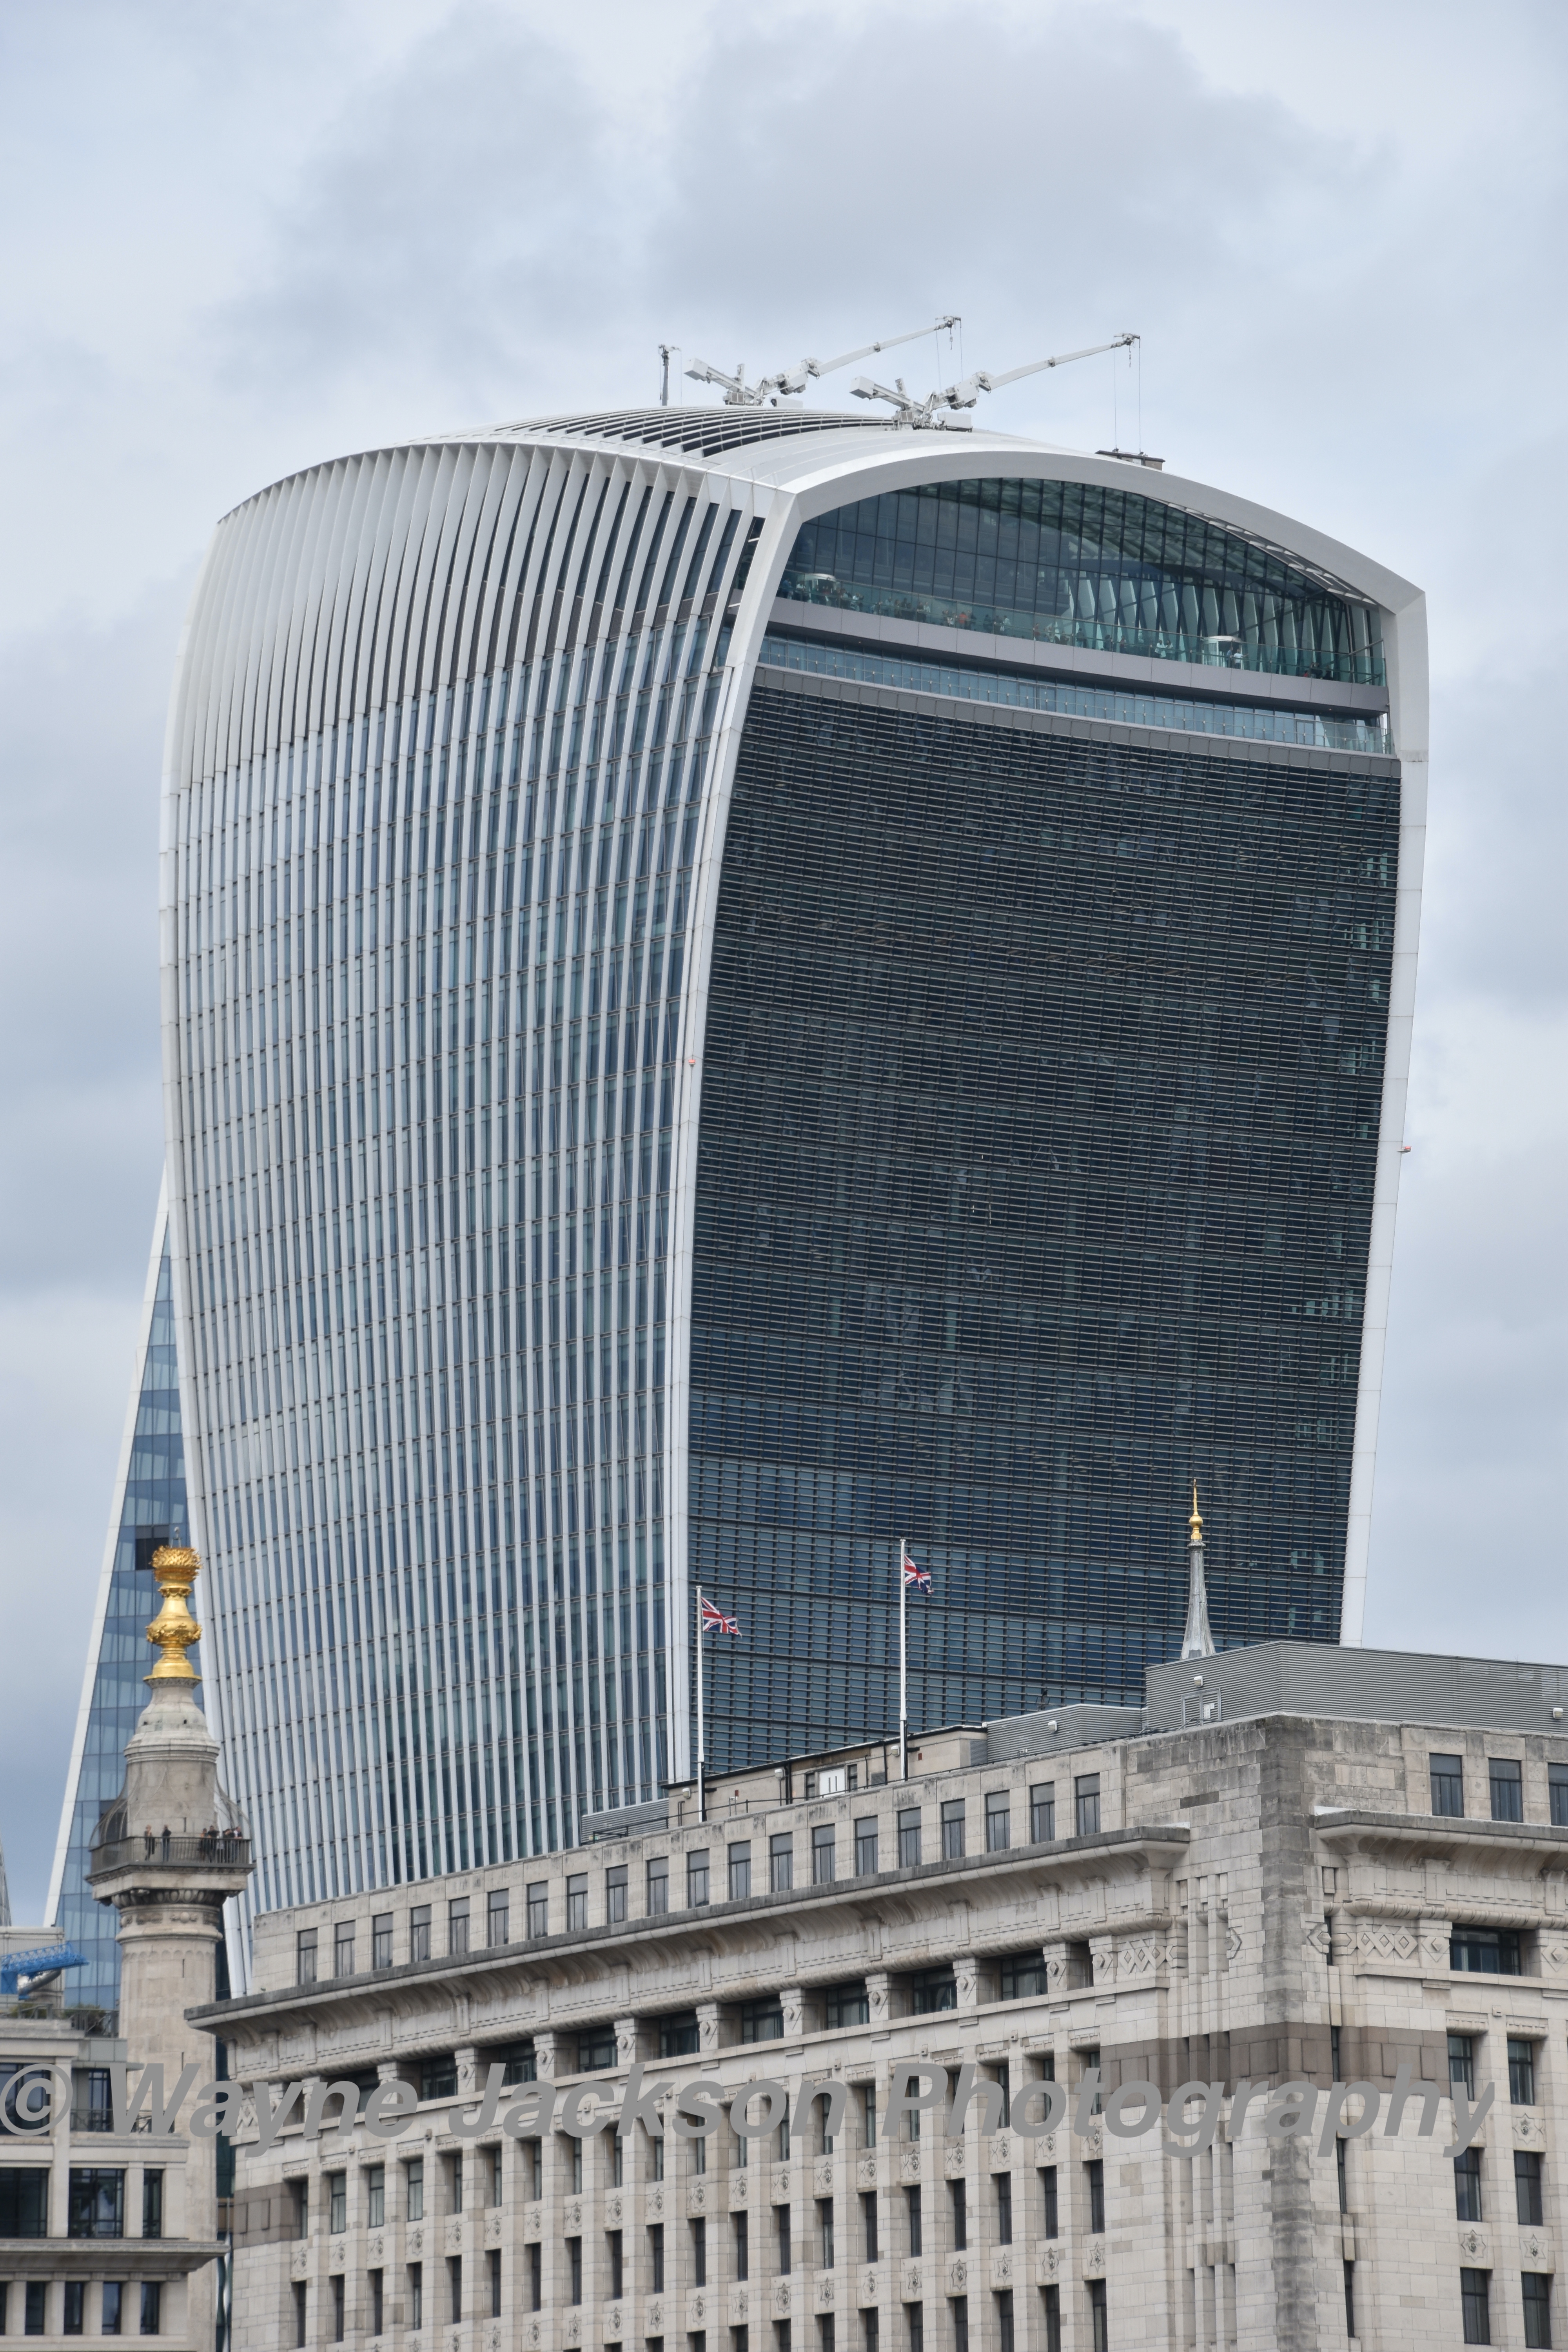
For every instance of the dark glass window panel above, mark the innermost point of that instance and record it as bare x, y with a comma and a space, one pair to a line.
1507, 1789
1520, 2072
1486, 1951
1447, 1773
1557, 1792
1468, 2185
1041, 1087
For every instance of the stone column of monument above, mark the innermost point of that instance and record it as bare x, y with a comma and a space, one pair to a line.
167, 1856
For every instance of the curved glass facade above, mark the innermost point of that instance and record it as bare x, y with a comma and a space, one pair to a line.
1073, 563
1040, 1123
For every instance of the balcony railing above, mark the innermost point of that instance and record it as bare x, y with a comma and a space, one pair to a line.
215, 1849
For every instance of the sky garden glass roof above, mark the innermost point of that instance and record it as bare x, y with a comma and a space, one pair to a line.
1073, 563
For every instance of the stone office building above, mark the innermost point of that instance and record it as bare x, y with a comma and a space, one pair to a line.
1294, 1865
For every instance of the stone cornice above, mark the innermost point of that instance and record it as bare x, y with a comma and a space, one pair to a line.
1515, 1846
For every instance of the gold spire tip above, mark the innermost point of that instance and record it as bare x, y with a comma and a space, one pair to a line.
1195, 1524
173, 1629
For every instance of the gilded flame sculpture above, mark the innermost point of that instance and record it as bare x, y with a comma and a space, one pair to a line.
176, 1569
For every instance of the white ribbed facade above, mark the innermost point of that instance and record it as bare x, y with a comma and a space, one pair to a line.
448, 718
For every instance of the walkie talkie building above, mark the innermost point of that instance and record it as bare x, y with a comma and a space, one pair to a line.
741, 984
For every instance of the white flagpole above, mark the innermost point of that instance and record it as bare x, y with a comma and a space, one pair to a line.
903, 1672
701, 1738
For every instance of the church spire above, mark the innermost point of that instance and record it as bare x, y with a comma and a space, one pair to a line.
1197, 1641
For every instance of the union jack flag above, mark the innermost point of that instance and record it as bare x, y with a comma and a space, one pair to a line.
918, 1580
714, 1619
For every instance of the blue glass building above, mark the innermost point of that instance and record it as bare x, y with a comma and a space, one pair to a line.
741, 984
147, 1508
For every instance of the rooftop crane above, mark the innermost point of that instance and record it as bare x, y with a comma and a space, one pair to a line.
938, 407
739, 393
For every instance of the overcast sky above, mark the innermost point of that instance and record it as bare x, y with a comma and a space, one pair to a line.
245, 239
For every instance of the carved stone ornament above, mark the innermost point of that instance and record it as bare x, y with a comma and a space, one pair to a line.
374, 2253
1473, 2243
912, 2283
492, 2227
535, 2335
612, 2211
573, 2215
781, 2298
1001, 2152
1002, 2266
656, 2204
966, 1980
454, 2235
613, 2322
571, 2329
1531, 2247
697, 2197
1047, 2146
1093, 2142
1051, 2263
655, 2317
493, 2339
957, 2276
952, 2155
1526, 2130
533, 2220
698, 2309
741, 2189
299, 2261
824, 2177
865, 2171
415, 2242
825, 2290
909, 2162
625, 2040
867, 2286
1094, 2259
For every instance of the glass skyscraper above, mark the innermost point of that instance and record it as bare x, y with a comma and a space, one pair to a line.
742, 985
147, 1509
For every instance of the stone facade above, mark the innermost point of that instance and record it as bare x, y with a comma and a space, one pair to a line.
1269, 1899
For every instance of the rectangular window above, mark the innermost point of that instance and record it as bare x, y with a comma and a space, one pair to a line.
999, 1821
380, 1940
305, 1956
824, 1850
1094, 2175
1050, 2222
697, 1880
868, 2226
761, 2021
1537, 2287
377, 2280
912, 2225
413, 2193
1004, 2181
1468, 2186
1508, 1789
1476, 2306
343, 1948
574, 2270
1099, 2318
958, 2308
1350, 2295
1462, 2063
825, 2232
782, 2251
658, 1885
952, 1829
866, 1848
23, 2200
596, 2051
494, 2266
75, 2307
112, 2306
1043, 1812
151, 2204
536, 2276
415, 2296
419, 1932
1448, 1778
867, 2115
1527, 2188
576, 1901
1520, 2072
438, 2075
677, 2034
826, 2331
1557, 1793
742, 2249
1004, 2321
454, 2182
300, 2311
458, 1928
909, 1837
869, 2329
955, 2190
96, 2206
495, 2176
1486, 1951
1023, 1976
337, 2203
699, 2250
740, 1872
376, 2197
1085, 1803
539, 1907
454, 2287
152, 2307
34, 2307
338, 2299
781, 1862
1053, 2316
615, 1894
846, 2004
534, 2156
916, 2321
934, 1991
498, 1916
